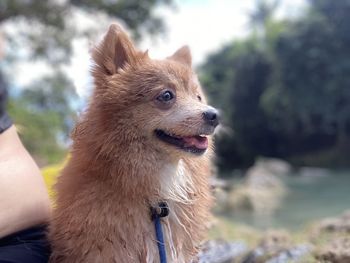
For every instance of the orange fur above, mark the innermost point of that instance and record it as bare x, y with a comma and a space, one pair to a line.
118, 168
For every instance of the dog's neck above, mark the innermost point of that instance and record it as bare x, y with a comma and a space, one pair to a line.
131, 164
137, 169
175, 182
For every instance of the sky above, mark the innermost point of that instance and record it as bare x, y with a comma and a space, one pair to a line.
204, 25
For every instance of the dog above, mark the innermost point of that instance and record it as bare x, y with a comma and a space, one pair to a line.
145, 138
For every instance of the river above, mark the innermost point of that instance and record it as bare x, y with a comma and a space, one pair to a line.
308, 199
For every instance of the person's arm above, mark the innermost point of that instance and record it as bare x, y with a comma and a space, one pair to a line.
24, 200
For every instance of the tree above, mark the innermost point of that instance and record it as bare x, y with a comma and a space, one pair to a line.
44, 30
263, 13
44, 116
313, 64
238, 90
50, 27
285, 92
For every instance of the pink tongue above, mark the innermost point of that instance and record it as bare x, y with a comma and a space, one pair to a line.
196, 141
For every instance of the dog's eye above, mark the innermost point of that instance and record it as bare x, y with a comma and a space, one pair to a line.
199, 98
166, 96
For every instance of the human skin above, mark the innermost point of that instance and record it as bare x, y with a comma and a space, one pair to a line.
24, 200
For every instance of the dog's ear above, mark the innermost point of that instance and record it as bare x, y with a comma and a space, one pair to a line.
183, 55
114, 52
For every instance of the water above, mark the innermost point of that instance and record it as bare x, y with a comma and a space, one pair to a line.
308, 199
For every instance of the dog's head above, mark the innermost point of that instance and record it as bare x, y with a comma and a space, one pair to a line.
155, 102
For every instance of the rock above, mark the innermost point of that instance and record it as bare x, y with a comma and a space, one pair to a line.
275, 240
262, 190
337, 224
218, 251
294, 254
276, 247
337, 251
272, 243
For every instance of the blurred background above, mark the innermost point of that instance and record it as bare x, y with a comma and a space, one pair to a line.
278, 69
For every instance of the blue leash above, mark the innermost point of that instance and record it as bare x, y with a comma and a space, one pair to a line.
157, 213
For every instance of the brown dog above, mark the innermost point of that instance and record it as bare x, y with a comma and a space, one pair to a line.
144, 139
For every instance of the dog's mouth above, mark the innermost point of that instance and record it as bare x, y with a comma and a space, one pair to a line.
196, 144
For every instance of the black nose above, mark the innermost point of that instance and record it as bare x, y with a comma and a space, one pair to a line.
211, 116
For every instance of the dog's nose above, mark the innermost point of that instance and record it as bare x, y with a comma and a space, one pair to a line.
211, 116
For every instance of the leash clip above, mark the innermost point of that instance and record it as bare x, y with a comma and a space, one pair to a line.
162, 210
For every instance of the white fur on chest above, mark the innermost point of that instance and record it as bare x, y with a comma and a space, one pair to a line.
176, 187
176, 182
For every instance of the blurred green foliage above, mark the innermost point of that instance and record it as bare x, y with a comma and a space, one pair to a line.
51, 30
45, 111
285, 89
44, 116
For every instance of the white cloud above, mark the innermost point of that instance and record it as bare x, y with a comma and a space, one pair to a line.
79, 68
206, 25
203, 25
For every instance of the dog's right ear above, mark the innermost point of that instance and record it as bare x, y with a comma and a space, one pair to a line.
182, 55
114, 52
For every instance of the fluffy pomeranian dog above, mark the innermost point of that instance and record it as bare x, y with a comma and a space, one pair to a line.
144, 139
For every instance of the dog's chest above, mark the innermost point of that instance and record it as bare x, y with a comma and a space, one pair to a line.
136, 237
176, 182
176, 188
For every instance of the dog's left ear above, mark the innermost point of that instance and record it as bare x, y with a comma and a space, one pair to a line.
183, 55
114, 52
